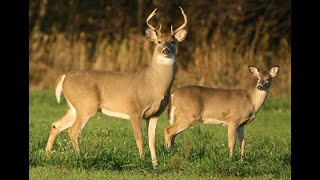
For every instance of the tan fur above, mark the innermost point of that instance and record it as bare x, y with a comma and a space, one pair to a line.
234, 107
138, 95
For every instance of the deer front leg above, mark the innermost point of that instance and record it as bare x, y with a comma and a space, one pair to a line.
151, 126
232, 128
153, 109
137, 132
240, 133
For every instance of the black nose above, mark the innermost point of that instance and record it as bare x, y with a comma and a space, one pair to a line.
260, 87
166, 51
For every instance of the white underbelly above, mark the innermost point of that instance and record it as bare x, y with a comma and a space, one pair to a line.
115, 114
214, 121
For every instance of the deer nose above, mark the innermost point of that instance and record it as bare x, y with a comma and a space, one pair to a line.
165, 50
259, 87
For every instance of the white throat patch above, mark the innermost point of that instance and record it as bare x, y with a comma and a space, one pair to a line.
258, 98
166, 60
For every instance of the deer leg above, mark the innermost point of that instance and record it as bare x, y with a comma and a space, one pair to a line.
173, 138
151, 126
75, 129
232, 128
65, 122
172, 131
168, 133
240, 133
137, 132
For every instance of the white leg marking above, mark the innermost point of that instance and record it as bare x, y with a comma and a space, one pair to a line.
171, 121
73, 110
173, 108
152, 124
71, 115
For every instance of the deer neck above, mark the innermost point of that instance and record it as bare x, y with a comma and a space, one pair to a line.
161, 72
258, 97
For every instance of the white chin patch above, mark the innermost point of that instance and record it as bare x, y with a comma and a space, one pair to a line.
166, 60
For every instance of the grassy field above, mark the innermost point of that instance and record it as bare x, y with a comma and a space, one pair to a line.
108, 148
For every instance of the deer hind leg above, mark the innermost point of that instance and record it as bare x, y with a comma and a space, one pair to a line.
182, 121
65, 122
232, 128
168, 134
137, 132
240, 135
151, 126
79, 123
172, 131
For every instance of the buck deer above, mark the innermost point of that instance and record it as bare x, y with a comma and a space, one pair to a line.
135, 96
235, 108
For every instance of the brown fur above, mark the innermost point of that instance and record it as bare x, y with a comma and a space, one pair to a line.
139, 95
234, 107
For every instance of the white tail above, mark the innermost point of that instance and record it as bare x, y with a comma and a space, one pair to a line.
134, 96
59, 87
232, 107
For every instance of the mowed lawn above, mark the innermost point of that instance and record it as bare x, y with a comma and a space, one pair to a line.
109, 151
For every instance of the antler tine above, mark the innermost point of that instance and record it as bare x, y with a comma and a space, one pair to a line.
183, 25
149, 17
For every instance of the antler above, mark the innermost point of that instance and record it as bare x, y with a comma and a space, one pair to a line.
183, 25
150, 26
149, 17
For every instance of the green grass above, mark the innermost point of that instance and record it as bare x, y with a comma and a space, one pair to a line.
108, 148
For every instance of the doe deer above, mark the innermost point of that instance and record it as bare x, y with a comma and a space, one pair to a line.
135, 96
235, 108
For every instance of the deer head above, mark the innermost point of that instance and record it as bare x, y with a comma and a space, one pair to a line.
264, 77
165, 49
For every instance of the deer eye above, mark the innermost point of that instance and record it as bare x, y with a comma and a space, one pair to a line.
159, 42
268, 80
172, 41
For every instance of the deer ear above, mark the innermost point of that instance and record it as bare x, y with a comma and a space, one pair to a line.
274, 71
180, 35
253, 70
151, 35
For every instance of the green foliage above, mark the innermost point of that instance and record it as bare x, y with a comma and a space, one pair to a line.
108, 148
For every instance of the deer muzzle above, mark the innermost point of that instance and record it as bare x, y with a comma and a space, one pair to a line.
165, 51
